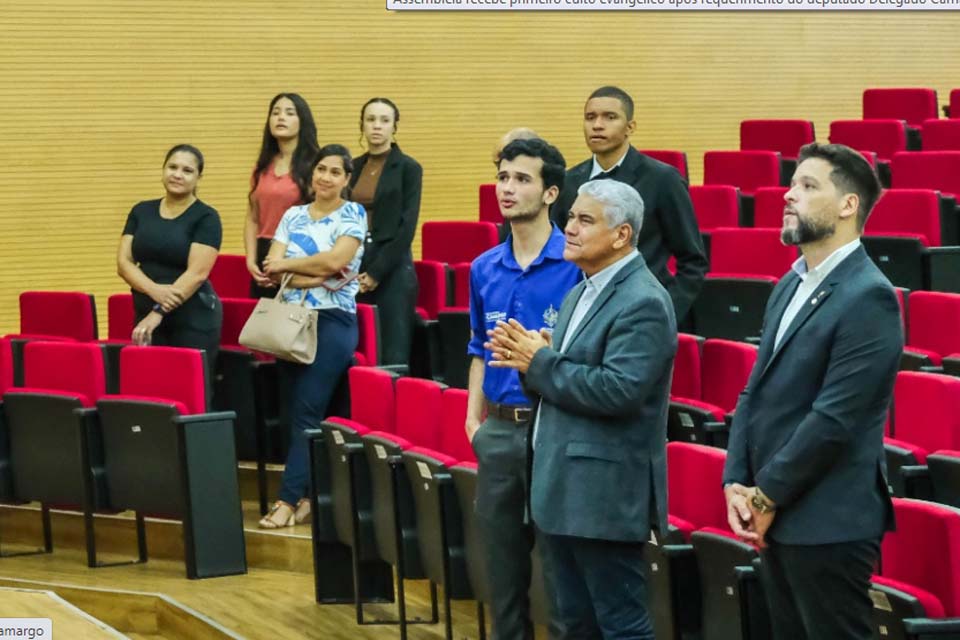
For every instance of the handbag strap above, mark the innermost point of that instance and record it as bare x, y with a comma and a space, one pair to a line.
287, 277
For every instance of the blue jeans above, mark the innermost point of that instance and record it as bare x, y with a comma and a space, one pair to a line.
310, 387
599, 588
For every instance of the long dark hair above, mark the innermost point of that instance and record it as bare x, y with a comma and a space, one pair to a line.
301, 165
344, 154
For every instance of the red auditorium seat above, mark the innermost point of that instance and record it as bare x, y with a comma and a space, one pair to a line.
939, 170
65, 314
746, 170
913, 104
120, 317
164, 454
783, 136
52, 432
229, 276
489, 207
715, 205
955, 103
768, 204
368, 321
702, 418
917, 592
902, 226
933, 318
941, 135
432, 294
926, 418
745, 265
676, 159
686, 367
457, 241
884, 137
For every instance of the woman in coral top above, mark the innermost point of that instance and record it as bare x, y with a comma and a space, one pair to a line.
281, 179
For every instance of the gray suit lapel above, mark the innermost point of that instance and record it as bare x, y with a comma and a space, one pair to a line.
604, 296
566, 311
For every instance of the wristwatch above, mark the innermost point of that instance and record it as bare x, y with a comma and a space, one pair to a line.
159, 309
761, 503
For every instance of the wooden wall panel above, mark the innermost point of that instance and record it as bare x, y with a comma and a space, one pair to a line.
93, 93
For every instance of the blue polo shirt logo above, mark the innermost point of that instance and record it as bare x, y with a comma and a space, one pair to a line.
550, 317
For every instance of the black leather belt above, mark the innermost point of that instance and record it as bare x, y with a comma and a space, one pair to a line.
518, 413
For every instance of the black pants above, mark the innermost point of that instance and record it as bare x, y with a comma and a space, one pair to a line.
256, 291
501, 448
820, 592
396, 299
195, 324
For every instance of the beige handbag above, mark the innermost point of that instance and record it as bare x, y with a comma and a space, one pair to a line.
287, 331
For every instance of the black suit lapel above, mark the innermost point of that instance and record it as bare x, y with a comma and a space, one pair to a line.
778, 306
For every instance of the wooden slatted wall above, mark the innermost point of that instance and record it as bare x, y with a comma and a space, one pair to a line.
93, 93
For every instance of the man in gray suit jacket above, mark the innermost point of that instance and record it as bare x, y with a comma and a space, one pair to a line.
805, 476
603, 382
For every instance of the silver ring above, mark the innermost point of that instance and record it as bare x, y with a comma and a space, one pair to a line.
509, 354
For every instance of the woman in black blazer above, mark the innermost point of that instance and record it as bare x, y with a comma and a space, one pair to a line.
387, 183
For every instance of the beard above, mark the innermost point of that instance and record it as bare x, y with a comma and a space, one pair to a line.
806, 231
522, 216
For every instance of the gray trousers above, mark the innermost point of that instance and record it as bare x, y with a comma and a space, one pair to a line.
501, 503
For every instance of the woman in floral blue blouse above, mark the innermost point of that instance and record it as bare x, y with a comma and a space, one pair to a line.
321, 244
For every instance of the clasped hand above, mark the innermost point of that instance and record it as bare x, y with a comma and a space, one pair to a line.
747, 523
513, 347
274, 268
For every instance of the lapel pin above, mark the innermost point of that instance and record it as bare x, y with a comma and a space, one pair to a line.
817, 299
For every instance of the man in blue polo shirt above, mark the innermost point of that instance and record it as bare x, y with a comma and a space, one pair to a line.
524, 278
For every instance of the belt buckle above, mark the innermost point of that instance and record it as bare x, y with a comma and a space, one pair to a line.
516, 414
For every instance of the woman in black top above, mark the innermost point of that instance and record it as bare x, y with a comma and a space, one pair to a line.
387, 183
166, 252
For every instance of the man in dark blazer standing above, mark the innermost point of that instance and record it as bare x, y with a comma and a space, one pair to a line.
805, 476
669, 225
599, 454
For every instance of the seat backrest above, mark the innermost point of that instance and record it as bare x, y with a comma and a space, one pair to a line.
785, 136
169, 373
885, 137
934, 321
686, 367
924, 551
6, 365
694, 487
229, 276
489, 207
70, 314
73, 367
926, 410
954, 103
938, 170
715, 205
120, 316
236, 312
372, 398
941, 135
750, 251
676, 159
726, 368
746, 170
453, 435
368, 327
461, 284
432, 281
768, 204
419, 406
913, 211
457, 241
913, 104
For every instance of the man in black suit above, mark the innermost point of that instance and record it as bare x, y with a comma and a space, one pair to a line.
599, 455
805, 476
669, 225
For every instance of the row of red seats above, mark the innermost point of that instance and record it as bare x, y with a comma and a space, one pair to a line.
147, 448
703, 580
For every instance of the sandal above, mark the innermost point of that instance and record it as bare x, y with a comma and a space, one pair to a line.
302, 513
281, 515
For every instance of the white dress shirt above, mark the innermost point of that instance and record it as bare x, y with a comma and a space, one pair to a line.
809, 281
597, 169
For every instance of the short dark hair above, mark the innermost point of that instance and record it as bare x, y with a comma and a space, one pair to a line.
610, 91
554, 166
186, 148
851, 174
341, 152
